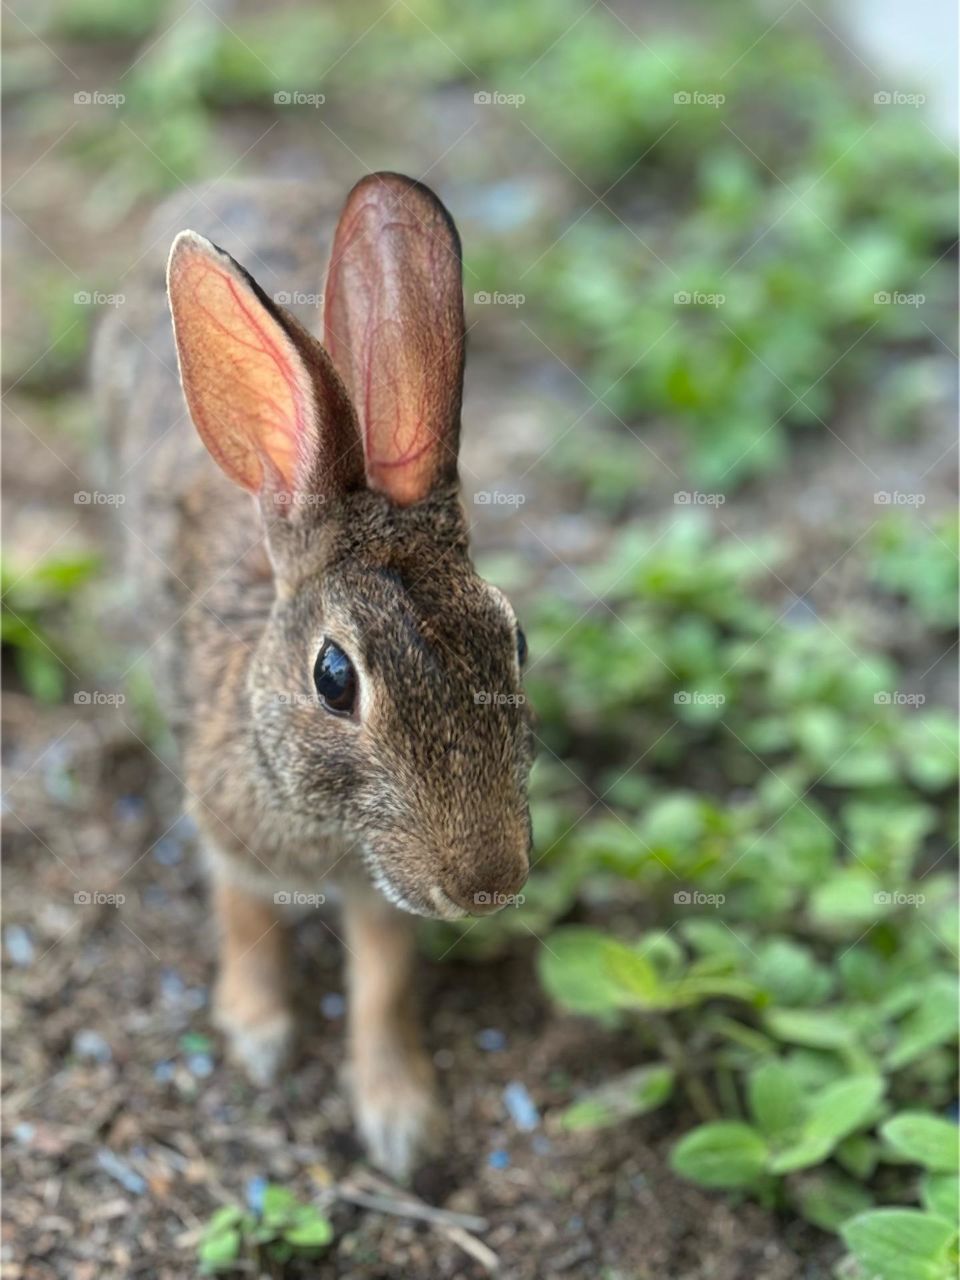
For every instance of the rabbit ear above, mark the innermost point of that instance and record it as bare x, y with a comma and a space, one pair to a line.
393, 323
263, 394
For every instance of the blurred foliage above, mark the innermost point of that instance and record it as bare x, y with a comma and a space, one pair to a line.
279, 1231
38, 605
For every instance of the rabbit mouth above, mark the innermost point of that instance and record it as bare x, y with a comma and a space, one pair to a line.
434, 905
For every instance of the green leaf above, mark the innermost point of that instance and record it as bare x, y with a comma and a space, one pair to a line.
933, 1022
632, 1094
314, 1232
832, 1113
573, 968
279, 1205
924, 1139
775, 1099
724, 1153
828, 1199
940, 1193
817, 1028
219, 1252
900, 1244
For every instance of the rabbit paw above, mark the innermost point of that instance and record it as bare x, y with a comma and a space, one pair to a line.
262, 1049
398, 1115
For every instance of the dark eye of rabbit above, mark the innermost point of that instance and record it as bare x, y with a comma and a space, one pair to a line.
521, 647
335, 679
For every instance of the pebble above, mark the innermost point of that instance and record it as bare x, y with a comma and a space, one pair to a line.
168, 851
92, 1046
254, 1192
491, 1040
499, 1159
333, 1005
19, 945
164, 1072
521, 1107
201, 1065
128, 808
121, 1172
23, 1132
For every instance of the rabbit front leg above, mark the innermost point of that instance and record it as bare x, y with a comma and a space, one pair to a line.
252, 1000
394, 1098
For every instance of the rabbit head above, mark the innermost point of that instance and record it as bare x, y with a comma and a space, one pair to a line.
385, 693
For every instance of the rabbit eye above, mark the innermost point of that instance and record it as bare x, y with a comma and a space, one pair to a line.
521, 646
335, 679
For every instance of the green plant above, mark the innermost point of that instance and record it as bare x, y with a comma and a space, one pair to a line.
284, 1229
773, 917
32, 623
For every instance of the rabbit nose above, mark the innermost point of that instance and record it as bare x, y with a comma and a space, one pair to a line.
483, 895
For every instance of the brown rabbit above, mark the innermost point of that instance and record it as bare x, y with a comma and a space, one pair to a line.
331, 652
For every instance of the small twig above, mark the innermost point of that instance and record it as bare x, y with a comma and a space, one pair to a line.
679, 1059
401, 1207
457, 1227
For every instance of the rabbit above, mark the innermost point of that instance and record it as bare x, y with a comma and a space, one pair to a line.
345, 688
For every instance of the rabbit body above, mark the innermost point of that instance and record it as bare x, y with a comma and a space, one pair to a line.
319, 633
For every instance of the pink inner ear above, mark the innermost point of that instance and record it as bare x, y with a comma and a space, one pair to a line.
247, 390
393, 324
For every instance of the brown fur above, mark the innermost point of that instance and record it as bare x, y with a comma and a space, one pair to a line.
422, 794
